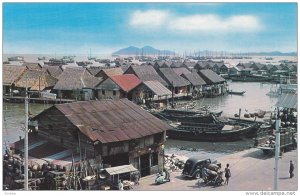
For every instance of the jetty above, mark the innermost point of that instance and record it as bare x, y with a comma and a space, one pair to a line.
19, 99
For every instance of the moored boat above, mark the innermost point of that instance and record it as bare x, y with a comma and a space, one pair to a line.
186, 116
236, 92
229, 131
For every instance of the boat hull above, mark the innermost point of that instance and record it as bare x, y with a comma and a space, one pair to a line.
212, 135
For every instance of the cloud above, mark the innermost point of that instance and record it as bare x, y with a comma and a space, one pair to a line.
195, 23
150, 18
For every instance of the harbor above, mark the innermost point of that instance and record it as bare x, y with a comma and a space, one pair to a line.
135, 97
184, 147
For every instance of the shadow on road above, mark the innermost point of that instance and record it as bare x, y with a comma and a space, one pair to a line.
258, 155
284, 178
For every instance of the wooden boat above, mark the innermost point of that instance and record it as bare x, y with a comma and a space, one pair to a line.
220, 132
186, 116
236, 92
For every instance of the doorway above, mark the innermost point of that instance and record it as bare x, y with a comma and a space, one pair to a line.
145, 165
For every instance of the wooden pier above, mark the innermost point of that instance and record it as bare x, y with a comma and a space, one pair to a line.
18, 99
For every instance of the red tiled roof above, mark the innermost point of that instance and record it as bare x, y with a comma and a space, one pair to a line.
127, 81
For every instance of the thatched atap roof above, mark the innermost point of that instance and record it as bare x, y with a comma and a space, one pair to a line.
169, 75
76, 78
104, 73
145, 73
194, 78
36, 80
157, 88
210, 77
181, 70
12, 73
33, 66
54, 71
94, 70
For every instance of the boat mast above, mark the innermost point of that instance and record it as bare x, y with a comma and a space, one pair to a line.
26, 140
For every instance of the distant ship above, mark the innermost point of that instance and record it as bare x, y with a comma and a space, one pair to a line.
16, 58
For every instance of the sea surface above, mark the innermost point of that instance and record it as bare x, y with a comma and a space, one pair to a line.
254, 99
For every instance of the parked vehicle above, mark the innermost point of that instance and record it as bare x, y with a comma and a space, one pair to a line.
192, 167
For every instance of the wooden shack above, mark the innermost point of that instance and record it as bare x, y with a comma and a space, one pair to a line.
113, 132
76, 83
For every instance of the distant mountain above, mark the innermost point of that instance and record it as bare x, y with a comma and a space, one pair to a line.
146, 50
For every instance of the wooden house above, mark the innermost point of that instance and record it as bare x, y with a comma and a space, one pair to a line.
35, 80
181, 70
106, 73
117, 87
54, 71
76, 83
162, 64
33, 66
189, 65
145, 73
113, 132
204, 65
176, 83
149, 92
217, 66
11, 74
234, 71
196, 81
215, 84
94, 70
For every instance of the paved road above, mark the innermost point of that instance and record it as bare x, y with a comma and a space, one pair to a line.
251, 171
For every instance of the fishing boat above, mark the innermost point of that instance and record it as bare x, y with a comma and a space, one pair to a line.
236, 92
186, 116
220, 132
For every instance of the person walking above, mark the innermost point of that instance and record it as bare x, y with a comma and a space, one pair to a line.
291, 169
227, 174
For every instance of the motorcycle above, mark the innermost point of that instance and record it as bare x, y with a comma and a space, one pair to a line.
211, 177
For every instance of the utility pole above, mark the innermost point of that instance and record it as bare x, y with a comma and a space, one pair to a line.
26, 140
173, 95
277, 150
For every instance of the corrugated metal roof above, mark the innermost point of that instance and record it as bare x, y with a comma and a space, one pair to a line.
120, 169
157, 88
111, 120
126, 82
288, 100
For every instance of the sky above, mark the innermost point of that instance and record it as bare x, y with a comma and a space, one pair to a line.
103, 28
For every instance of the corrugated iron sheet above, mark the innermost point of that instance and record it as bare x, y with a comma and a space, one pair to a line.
120, 169
112, 120
127, 81
288, 100
157, 88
